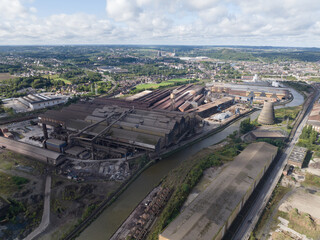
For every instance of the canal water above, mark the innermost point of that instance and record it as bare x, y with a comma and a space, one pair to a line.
112, 217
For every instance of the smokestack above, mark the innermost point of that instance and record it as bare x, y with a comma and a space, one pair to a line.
266, 116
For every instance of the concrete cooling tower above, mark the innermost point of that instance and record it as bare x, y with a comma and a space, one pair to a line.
266, 116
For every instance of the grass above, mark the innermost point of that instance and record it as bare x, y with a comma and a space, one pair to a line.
168, 83
311, 180
278, 193
19, 180
8, 161
10, 184
302, 223
60, 232
57, 78
315, 79
281, 236
6, 76
282, 114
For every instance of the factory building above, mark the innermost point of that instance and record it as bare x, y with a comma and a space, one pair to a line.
161, 99
261, 134
43, 155
210, 215
314, 117
150, 121
38, 101
108, 130
246, 90
55, 145
210, 108
297, 156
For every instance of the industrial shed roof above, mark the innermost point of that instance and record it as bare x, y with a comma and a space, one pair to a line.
267, 134
210, 105
205, 216
30, 150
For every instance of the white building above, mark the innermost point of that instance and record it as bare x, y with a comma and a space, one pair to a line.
275, 84
38, 101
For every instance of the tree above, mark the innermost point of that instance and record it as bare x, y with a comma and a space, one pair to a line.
246, 126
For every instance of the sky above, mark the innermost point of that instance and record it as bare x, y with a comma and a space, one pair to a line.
294, 23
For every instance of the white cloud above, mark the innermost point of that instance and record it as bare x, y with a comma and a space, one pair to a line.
201, 4
11, 9
168, 22
122, 10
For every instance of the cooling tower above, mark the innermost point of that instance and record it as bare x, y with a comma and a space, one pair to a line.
266, 116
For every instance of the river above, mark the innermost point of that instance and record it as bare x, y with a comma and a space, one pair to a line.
112, 217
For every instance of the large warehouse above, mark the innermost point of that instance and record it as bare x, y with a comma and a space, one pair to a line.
43, 155
110, 131
251, 90
213, 211
38, 101
150, 121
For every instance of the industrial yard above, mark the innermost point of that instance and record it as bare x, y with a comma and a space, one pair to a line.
293, 212
103, 142
73, 201
21, 189
148, 122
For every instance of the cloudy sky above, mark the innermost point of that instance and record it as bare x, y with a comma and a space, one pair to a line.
188, 22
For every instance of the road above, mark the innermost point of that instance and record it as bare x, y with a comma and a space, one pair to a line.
250, 220
46, 211
114, 85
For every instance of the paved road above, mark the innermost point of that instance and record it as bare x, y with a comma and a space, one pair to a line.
46, 212
252, 217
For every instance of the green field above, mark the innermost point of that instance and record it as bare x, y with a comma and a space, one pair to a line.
169, 83
282, 114
278, 193
10, 184
57, 78
311, 181
315, 79
6, 76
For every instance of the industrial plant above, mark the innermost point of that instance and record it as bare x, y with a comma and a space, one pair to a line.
148, 122
254, 91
